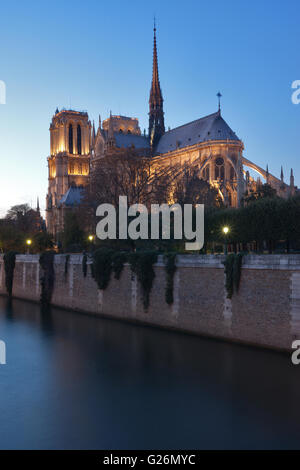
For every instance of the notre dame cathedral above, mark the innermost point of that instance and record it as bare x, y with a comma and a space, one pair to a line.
208, 142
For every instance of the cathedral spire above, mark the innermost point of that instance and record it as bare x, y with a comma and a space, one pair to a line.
110, 133
93, 134
219, 102
292, 182
156, 113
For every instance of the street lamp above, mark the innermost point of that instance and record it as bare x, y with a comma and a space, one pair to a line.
225, 231
28, 243
91, 242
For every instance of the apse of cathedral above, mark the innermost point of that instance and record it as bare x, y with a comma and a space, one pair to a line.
208, 143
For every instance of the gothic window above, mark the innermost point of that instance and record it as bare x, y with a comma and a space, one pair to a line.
206, 173
120, 131
219, 168
129, 131
79, 139
70, 138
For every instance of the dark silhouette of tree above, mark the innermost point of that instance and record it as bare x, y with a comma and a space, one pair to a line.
189, 188
262, 191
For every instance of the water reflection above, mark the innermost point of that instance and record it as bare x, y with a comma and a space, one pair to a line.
77, 381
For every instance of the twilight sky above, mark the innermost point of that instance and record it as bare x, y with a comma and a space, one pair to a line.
97, 56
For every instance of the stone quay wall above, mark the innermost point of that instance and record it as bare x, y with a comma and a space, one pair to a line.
265, 312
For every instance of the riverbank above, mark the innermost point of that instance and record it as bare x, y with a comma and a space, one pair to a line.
264, 312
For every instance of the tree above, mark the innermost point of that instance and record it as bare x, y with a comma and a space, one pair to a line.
263, 191
189, 188
73, 234
42, 241
126, 173
18, 211
25, 219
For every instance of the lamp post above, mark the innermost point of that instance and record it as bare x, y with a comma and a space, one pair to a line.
28, 243
91, 241
225, 231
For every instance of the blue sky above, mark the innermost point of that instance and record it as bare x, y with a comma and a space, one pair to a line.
97, 56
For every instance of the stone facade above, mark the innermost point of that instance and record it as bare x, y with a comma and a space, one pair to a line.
68, 163
265, 312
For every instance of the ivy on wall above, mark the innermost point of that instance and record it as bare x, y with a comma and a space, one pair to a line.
47, 279
102, 266
119, 258
84, 265
67, 258
106, 261
233, 267
141, 264
170, 268
237, 270
9, 266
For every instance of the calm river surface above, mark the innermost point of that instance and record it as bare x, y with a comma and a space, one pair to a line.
75, 381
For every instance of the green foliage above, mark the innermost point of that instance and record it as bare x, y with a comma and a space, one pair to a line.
118, 260
106, 260
237, 270
47, 278
233, 266
267, 219
142, 266
84, 264
9, 266
73, 235
102, 266
263, 191
67, 259
228, 263
170, 268
41, 241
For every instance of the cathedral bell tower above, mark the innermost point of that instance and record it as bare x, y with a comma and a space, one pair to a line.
69, 161
156, 113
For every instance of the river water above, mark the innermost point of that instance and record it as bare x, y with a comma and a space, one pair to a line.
74, 381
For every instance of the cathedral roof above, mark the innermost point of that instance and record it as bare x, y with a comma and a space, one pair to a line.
127, 140
72, 197
211, 127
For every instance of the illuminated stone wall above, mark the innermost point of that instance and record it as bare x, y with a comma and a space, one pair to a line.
205, 157
67, 164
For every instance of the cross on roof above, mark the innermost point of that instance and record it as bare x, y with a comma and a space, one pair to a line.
219, 100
